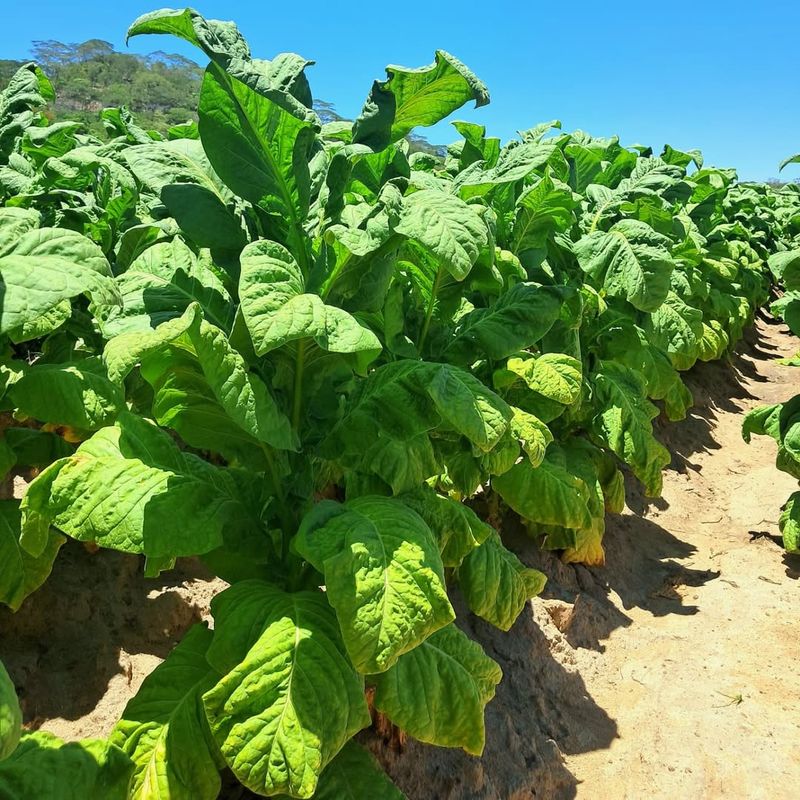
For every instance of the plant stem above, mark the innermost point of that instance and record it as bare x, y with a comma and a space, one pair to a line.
429, 312
297, 399
286, 518
277, 486
328, 285
596, 218
329, 282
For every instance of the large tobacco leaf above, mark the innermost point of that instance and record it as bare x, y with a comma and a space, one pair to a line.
355, 774
188, 360
277, 309
624, 423
630, 260
128, 488
164, 731
22, 572
42, 765
41, 270
383, 576
445, 226
549, 494
416, 97
438, 690
10, 715
288, 688
268, 162
496, 584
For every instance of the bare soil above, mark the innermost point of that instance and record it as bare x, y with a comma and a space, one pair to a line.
700, 675
669, 673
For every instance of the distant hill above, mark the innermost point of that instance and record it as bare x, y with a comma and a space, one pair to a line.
161, 89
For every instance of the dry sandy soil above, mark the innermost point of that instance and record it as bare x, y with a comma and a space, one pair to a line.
701, 676
669, 673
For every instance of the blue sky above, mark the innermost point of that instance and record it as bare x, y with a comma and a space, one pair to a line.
721, 76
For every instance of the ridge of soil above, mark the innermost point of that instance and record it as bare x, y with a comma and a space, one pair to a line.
670, 672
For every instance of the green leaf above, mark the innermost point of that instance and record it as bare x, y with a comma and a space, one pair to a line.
159, 165
259, 144
542, 209
496, 584
406, 398
43, 766
629, 260
10, 715
217, 39
402, 465
78, 394
502, 457
457, 528
682, 158
677, 401
594, 468
159, 285
354, 775
515, 164
41, 326
184, 401
203, 216
22, 573
244, 396
476, 146
677, 329
163, 728
45, 267
785, 267
383, 576
229, 390
122, 353
532, 433
392, 399
438, 691
790, 524
787, 308
763, 421
277, 310
449, 229
410, 98
59, 243
14, 223
291, 700
555, 376
624, 423
515, 321
128, 488
468, 406
795, 159
548, 494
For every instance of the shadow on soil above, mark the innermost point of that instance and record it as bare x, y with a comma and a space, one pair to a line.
792, 563
63, 646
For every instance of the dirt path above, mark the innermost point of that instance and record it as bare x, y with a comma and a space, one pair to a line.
702, 682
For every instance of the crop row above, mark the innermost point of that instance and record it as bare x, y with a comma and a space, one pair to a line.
335, 371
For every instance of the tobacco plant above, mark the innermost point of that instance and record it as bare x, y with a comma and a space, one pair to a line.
323, 365
781, 421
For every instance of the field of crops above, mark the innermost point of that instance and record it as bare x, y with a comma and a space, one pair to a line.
336, 372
